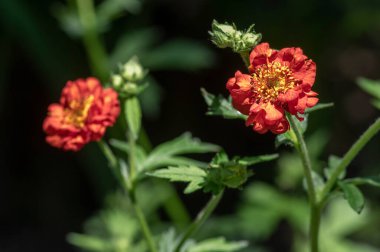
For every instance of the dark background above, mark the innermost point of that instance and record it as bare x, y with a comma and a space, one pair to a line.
46, 193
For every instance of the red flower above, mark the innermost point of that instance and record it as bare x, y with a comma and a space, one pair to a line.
279, 81
83, 114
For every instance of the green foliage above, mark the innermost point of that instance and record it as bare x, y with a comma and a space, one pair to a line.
133, 115
373, 181
221, 173
110, 230
353, 196
333, 163
372, 87
217, 245
195, 176
169, 241
219, 106
169, 153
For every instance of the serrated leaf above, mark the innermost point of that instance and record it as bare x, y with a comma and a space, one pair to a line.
372, 87
217, 245
195, 176
219, 106
257, 159
319, 106
353, 196
333, 163
168, 152
133, 115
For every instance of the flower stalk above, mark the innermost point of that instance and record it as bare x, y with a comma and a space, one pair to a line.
315, 208
200, 219
349, 156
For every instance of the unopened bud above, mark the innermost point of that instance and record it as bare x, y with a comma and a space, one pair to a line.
132, 70
226, 35
117, 81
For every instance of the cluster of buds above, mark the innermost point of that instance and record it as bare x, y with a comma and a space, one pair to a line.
130, 79
226, 35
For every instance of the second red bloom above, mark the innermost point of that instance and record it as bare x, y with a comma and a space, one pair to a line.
279, 81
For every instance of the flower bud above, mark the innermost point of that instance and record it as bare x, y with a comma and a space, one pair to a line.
226, 35
132, 70
117, 81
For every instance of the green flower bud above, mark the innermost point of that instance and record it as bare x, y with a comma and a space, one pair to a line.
130, 88
132, 70
226, 35
117, 81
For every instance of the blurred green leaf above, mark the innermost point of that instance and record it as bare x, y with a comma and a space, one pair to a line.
353, 196
195, 176
68, 19
133, 115
376, 103
373, 181
124, 147
319, 106
372, 87
333, 163
219, 106
108, 10
317, 181
168, 153
217, 245
257, 159
133, 43
179, 54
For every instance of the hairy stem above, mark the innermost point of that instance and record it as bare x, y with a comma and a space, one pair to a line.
94, 47
200, 219
350, 155
315, 209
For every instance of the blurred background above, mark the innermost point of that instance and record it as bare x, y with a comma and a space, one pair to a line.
46, 193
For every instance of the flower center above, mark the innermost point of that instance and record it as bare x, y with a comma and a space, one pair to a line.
271, 79
77, 111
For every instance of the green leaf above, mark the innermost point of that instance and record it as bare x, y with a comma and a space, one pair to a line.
376, 103
134, 42
219, 106
288, 138
179, 54
111, 9
372, 87
373, 181
248, 161
217, 245
333, 163
167, 153
319, 106
195, 176
124, 147
133, 115
353, 195
317, 181
87, 242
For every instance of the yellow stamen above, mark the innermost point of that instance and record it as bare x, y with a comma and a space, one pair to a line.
271, 79
77, 112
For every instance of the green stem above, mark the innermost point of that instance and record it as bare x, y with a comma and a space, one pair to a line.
306, 163
110, 156
245, 57
95, 50
315, 208
132, 193
144, 225
200, 219
350, 155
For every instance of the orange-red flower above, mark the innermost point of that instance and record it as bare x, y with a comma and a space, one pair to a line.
83, 114
279, 81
